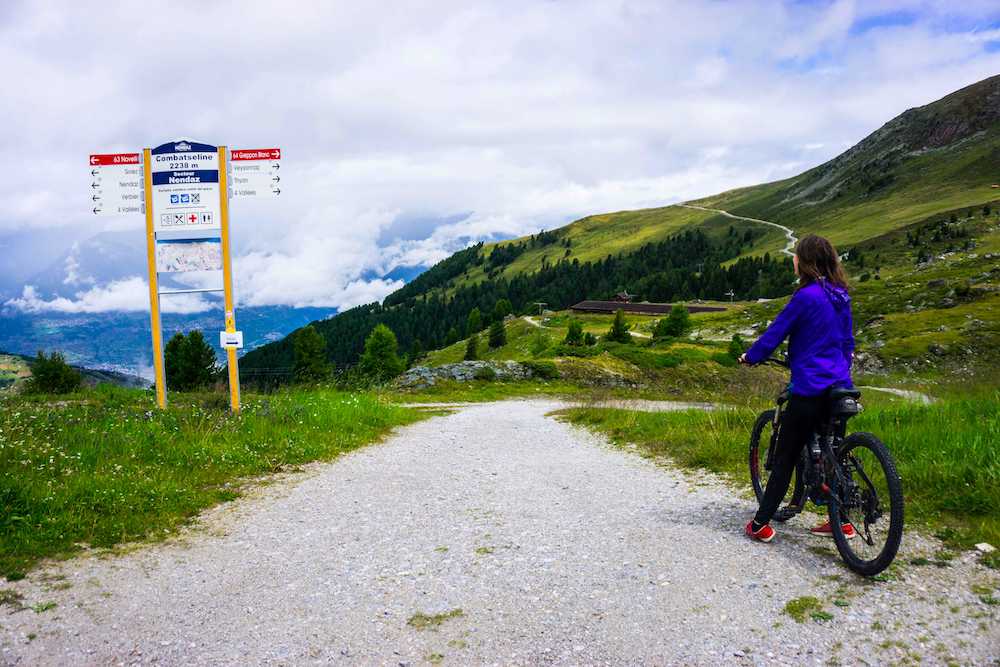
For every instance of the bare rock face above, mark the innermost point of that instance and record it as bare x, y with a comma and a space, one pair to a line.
421, 377
876, 161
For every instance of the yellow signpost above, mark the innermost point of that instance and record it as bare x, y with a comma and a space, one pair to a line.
184, 189
227, 282
154, 285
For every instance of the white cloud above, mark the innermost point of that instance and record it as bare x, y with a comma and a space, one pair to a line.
509, 116
131, 294
72, 268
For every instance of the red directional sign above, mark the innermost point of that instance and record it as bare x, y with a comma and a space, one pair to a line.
256, 154
109, 159
256, 172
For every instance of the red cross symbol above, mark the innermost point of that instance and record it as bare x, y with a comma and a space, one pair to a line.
193, 218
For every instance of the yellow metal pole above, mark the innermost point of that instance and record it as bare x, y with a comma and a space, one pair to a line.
227, 280
154, 289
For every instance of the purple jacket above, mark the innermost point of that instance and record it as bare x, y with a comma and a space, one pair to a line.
817, 322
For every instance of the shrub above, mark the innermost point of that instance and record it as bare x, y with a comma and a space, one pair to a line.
589, 339
498, 334
380, 361
724, 359
677, 323
575, 334
485, 373
539, 343
736, 347
189, 362
618, 332
546, 370
311, 364
52, 375
472, 348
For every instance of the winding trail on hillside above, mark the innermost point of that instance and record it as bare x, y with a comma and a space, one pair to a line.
492, 535
789, 248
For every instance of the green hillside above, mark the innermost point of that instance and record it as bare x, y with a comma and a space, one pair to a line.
928, 160
913, 206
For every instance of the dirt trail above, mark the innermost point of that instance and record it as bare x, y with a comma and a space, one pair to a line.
789, 233
495, 534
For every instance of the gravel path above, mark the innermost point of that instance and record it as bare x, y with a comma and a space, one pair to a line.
491, 535
908, 394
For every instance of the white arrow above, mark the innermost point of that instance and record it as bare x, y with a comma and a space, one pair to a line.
93, 160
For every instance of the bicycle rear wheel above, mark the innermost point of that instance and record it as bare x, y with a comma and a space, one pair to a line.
870, 499
760, 441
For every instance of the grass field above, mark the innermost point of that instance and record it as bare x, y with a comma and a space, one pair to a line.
946, 453
105, 467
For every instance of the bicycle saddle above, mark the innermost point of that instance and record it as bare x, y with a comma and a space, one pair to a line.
843, 392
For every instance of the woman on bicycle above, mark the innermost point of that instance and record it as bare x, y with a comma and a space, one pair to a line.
817, 322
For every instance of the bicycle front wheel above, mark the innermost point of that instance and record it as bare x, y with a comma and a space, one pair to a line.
869, 499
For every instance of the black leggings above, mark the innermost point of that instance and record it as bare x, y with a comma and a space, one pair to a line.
801, 416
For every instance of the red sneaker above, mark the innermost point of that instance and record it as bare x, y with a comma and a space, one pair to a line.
765, 534
826, 530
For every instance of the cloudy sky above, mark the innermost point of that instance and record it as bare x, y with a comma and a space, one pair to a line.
411, 129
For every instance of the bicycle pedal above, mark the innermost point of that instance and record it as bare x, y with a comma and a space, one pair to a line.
786, 513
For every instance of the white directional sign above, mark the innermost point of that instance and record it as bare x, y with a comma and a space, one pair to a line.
116, 184
231, 340
256, 173
185, 187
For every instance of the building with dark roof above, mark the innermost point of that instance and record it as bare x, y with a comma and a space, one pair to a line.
641, 308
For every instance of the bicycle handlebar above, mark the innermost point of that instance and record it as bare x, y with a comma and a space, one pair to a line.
773, 360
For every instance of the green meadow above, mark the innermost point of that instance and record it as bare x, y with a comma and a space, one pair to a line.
946, 453
105, 467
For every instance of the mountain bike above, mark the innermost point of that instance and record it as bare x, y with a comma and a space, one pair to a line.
853, 476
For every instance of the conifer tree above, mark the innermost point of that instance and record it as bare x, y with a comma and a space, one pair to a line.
380, 361
498, 334
474, 323
472, 348
676, 324
619, 330
502, 309
574, 336
311, 364
52, 375
189, 362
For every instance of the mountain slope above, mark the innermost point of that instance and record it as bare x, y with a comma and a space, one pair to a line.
927, 160
925, 167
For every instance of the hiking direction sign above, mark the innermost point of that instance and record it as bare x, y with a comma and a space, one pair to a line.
183, 188
116, 183
185, 178
256, 173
